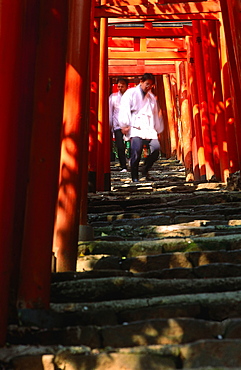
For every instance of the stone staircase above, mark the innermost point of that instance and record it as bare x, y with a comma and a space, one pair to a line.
159, 287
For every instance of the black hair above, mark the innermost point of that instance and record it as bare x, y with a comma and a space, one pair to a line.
148, 76
123, 80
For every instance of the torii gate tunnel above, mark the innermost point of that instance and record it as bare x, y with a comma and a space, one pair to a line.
59, 60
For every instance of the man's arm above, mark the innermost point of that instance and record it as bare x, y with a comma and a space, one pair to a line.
125, 112
111, 106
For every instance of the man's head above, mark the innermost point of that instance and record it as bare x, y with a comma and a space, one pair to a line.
122, 85
147, 81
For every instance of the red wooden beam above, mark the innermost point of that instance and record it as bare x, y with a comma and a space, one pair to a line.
202, 97
186, 122
233, 65
170, 114
153, 32
163, 11
140, 70
219, 108
73, 176
145, 2
26, 68
35, 277
12, 21
197, 131
163, 55
103, 159
150, 43
209, 92
94, 97
232, 136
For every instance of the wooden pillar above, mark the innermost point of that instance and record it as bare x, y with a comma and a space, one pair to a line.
73, 164
175, 93
94, 97
208, 78
103, 159
202, 98
219, 109
232, 134
197, 134
231, 12
165, 139
26, 71
35, 277
85, 230
186, 123
231, 30
170, 114
11, 20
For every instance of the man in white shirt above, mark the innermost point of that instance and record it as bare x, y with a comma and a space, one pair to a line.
139, 120
114, 103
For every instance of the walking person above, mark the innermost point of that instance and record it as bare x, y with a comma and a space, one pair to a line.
139, 119
114, 103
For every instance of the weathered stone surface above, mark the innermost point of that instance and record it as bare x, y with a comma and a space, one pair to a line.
76, 275
142, 221
68, 336
194, 216
217, 270
212, 353
131, 287
173, 273
146, 247
140, 282
158, 262
208, 306
87, 263
171, 331
114, 361
40, 362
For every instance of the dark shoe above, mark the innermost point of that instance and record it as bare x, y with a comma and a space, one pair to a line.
134, 174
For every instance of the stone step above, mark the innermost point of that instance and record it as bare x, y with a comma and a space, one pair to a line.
158, 227
141, 333
204, 354
111, 288
206, 306
188, 260
97, 204
134, 248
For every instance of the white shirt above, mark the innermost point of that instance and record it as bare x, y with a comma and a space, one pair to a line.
114, 104
140, 113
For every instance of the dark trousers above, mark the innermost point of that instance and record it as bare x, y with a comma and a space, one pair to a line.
120, 145
136, 150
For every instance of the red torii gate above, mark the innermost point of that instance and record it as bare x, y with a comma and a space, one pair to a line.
38, 103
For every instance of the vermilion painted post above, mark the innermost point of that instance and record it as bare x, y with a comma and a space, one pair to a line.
11, 20
218, 100
175, 91
73, 167
186, 123
85, 231
197, 134
210, 99
202, 97
94, 96
165, 141
35, 276
170, 114
26, 70
231, 30
232, 10
103, 160
232, 138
